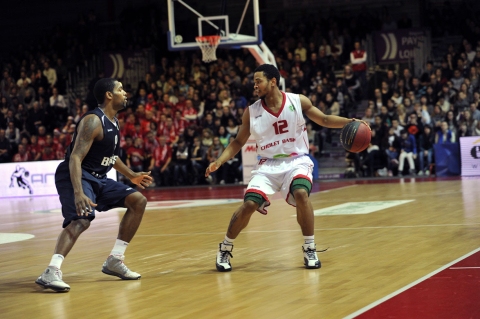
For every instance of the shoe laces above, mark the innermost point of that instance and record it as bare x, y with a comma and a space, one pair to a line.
311, 252
224, 256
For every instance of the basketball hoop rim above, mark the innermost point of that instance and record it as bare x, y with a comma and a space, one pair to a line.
212, 39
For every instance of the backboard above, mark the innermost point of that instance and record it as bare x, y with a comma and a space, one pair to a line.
237, 22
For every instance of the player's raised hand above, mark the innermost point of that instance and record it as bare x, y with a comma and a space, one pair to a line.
212, 168
142, 179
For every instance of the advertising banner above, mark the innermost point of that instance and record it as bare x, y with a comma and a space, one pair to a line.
470, 155
447, 159
127, 66
26, 179
397, 46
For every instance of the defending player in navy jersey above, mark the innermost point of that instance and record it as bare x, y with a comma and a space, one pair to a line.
84, 188
277, 124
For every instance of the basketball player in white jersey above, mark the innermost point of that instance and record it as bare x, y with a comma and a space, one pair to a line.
278, 126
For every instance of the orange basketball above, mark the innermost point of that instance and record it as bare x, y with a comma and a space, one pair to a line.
355, 136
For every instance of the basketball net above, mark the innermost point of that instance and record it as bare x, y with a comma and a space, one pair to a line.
208, 44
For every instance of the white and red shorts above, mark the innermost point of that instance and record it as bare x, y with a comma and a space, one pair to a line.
270, 176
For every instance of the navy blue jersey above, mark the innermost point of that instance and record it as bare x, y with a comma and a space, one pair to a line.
102, 154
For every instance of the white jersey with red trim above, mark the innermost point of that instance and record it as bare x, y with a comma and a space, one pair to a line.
279, 135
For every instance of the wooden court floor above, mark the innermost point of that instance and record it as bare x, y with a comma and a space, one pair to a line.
369, 256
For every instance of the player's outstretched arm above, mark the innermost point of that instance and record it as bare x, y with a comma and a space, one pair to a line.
141, 179
313, 113
89, 129
235, 146
330, 121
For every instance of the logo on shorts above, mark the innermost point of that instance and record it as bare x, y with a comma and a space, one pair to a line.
128, 189
109, 130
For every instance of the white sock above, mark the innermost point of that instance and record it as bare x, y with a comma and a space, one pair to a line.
228, 241
309, 239
56, 261
119, 248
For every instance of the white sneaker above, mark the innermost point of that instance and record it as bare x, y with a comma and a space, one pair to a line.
223, 257
51, 278
114, 266
310, 256
427, 172
420, 173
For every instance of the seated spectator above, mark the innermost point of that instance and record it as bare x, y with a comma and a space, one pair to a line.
34, 148
181, 163
135, 155
224, 136
372, 158
199, 161
59, 106
427, 139
397, 128
150, 144
445, 135
232, 172
13, 134
48, 153
189, 112
392, 145
23, 155
232, 127
437, 117
160, 163
213, 153
5, 147
408, 150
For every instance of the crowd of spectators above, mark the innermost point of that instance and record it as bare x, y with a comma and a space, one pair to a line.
185, 112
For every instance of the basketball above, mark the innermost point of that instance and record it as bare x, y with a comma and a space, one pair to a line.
355, 136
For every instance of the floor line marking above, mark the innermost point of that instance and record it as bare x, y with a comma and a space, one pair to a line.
464, 268
334, 189
399, 291
291, 230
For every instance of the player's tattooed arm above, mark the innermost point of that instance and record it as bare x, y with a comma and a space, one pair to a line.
88, 130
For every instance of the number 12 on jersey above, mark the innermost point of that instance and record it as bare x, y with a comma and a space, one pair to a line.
280, 127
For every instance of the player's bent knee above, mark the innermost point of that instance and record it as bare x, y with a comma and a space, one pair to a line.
252, 201
250, 206
80, 225
300, 188
136, 201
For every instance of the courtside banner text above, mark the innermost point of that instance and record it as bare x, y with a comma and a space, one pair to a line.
31, 178
470, 155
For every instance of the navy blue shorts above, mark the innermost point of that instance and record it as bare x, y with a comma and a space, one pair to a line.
105, 192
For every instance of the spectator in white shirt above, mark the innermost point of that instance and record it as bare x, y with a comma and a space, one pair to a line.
50, 74
57, 100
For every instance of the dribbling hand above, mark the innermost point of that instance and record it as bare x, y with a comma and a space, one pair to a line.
212, 168
368, 125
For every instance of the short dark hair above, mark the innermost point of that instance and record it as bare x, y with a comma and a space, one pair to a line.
101, 87
270, 72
